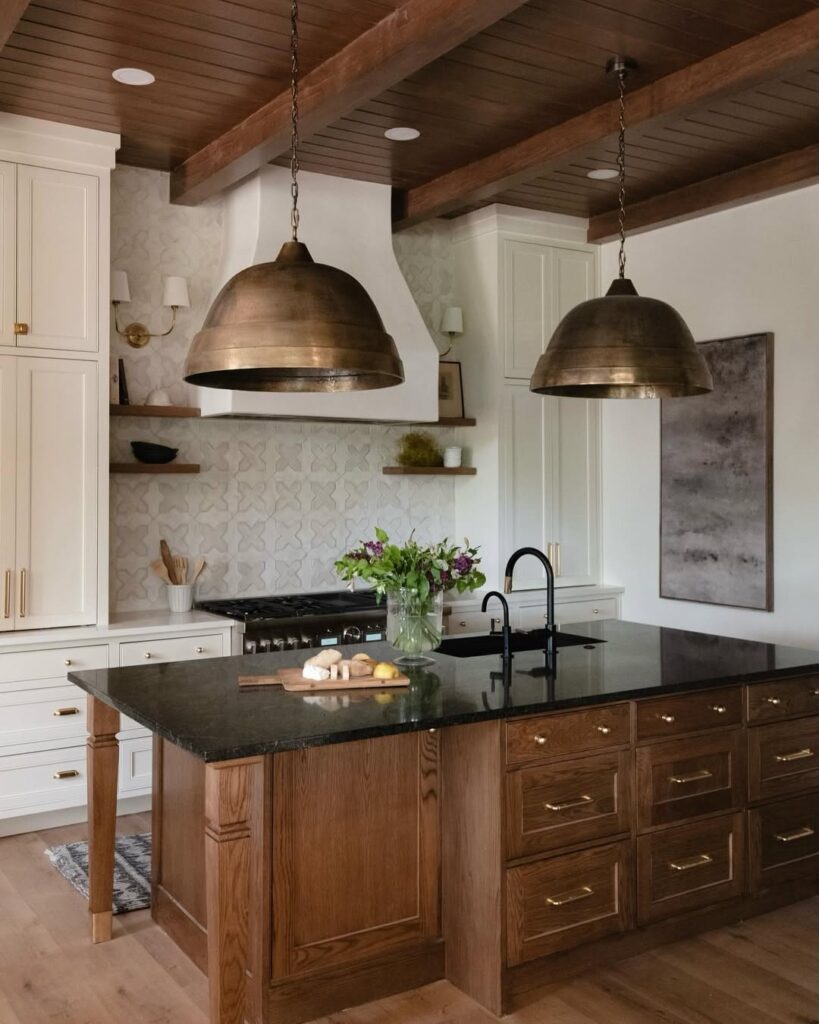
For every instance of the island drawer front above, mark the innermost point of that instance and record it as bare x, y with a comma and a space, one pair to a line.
534, 616
558, 805
562, 902
23, 666
178, 648
47, 714
42, 780
529, 740
783, 758
784, 841
782, 698
689, 778
689, 866
688, 712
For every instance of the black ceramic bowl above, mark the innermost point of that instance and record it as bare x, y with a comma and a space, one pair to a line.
154, 454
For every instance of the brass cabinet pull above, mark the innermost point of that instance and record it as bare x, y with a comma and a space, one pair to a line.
198, 650
697, 861
67, 662
66, 773
7, 595
795, 755
582, 893
773, 700
798, 833
569, 803
700, 773
815, 691
21, 328
557, 559
540, 740
462, 622
668, 718
604, 730
147, 655
719, 708
23, 595
63, 712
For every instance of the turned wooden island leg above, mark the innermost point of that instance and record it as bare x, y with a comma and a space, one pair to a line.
233, 798
103, 768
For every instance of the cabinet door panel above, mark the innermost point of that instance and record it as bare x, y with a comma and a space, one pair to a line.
576, 528
57, 216
56, 492
528, 316
8, 255
8, 476
378, 889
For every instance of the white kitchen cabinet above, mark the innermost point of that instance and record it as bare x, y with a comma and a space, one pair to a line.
56, 493
8, 254
57, 258
8, 481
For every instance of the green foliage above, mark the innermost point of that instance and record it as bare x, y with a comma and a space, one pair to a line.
425, 570
418, 448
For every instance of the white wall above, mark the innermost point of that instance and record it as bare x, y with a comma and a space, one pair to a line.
736, 272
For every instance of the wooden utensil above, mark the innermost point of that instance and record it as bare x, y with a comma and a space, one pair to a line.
158, 567
167, 558
292, 680
198, 567
180, 564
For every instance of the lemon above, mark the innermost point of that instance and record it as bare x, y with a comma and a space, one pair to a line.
385, 670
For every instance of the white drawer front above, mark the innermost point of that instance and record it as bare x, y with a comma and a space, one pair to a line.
23, 666
178, 648
135, 766
471, 622
571, 611
42, 781
51, 713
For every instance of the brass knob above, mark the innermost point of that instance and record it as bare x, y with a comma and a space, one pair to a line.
462, 622
21, 328
146, 655
604, 729
668, 718
773, 700
540, 740
815, 691
595, 611
198, 650
433, 730
67, 662
719, 708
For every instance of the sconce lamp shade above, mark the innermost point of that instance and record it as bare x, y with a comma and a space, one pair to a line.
176, 292
120, 292
452, 322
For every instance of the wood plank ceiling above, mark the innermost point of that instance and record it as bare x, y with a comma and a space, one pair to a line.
217, 61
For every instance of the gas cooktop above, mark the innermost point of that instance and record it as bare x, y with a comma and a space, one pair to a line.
294, 606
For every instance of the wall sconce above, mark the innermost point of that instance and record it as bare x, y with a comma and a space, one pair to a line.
452, 324
136, 334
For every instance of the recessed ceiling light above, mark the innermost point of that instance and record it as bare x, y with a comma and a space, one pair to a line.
401, 134
133, 76
602, 173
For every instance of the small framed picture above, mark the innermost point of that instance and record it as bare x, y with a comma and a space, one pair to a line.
450, 390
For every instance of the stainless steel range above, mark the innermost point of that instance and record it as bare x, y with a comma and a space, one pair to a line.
280, 623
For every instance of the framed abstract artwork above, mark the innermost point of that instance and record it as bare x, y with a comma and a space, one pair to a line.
716, 481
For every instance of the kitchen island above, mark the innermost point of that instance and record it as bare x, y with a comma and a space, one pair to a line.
501, 827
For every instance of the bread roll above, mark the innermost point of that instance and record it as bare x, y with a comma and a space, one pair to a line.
324, 659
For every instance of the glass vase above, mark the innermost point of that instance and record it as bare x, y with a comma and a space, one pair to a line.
415, 624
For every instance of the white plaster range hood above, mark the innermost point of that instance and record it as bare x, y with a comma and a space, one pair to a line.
346, 224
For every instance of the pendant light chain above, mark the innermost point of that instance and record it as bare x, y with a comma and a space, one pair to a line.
294, 118
621, 166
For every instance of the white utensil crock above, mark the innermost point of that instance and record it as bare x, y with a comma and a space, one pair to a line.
180, 597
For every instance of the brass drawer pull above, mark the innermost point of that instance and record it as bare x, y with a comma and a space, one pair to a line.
668, 718
719, 708
20, 328
569, 803
697, 861
540, 740
198, 650
67, 662
604, 730
63, 712
7, 595
582, 893
815, 691
798, 833
66, 773
773, 700
701, 773
147, 655
23, 594
795, 755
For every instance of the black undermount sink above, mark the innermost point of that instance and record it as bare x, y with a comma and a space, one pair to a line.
492, 643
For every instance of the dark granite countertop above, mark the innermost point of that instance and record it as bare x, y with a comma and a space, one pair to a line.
199, 706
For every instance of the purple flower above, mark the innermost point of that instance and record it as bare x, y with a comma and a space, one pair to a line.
462, 564
375, 548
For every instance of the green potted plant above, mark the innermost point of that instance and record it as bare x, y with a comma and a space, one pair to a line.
414, 579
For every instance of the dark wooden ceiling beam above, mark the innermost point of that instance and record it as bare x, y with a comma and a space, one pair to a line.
756, 181
11, 11
409, 38
791, 45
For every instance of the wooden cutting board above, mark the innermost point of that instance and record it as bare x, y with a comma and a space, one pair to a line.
294, 682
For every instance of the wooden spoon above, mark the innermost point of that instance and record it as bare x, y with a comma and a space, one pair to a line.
180, 564
158, 567
198, 567
167, 558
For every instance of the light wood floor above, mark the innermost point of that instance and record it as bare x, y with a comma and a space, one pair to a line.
763, 971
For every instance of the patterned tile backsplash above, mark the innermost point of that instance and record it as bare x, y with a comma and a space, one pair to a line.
277, 501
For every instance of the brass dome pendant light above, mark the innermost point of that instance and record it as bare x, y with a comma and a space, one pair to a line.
622, 345
293, 325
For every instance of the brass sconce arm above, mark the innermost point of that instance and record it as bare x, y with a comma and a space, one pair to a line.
136, 334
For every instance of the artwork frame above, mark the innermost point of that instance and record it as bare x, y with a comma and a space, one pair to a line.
716, 481
450, 390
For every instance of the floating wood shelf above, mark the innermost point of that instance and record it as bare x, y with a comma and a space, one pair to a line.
146, 467
429, 470
456, 421
174, 411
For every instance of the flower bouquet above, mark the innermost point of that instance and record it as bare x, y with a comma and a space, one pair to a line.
413, 578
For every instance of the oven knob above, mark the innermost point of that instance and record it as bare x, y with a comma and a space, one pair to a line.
291, 643
351, 635
264, 645
278, 644
250, 646
306, 641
